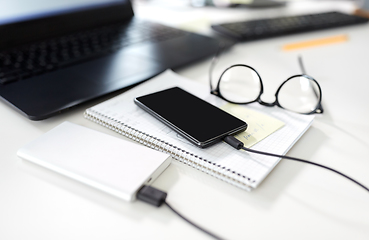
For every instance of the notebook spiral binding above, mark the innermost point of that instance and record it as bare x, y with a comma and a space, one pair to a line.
182, 156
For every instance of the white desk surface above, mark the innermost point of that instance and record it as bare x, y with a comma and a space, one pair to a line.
296, 201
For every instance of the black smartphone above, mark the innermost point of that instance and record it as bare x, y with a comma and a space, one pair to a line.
193, 118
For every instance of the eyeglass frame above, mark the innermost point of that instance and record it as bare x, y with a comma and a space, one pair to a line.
318, 109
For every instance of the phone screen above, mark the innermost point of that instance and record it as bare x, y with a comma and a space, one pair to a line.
195, 119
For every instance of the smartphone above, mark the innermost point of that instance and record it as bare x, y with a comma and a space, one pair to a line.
193, 118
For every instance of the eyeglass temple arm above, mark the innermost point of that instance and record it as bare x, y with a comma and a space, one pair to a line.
320, 107
301, 65
212, 65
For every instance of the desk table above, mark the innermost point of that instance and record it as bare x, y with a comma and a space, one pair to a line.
296, 200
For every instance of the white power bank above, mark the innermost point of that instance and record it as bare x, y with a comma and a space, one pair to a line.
102, 161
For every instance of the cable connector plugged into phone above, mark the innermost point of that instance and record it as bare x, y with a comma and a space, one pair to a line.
234, 142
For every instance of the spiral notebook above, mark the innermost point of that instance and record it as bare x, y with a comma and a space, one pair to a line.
239, 168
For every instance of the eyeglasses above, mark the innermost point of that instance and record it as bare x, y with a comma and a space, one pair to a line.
242, 84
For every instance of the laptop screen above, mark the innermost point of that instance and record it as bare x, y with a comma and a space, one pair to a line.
23, 10
23, 21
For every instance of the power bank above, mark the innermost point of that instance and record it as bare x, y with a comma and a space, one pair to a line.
108, 163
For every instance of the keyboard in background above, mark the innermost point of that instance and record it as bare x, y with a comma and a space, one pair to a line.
273, 27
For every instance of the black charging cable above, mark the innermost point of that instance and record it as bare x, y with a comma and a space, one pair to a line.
157, 198
235, 143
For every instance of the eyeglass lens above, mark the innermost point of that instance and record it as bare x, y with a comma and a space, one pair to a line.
299, 94
241, 84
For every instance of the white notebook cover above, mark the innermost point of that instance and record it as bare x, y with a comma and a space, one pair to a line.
238, 168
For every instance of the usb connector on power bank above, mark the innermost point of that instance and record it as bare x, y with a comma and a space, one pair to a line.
151, 196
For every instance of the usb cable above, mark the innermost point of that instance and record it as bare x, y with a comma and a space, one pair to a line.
235, 143
157, 198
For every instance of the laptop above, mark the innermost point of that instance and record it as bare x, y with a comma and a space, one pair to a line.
56, 55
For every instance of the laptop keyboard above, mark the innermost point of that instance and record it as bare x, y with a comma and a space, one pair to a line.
266, 28
37, 58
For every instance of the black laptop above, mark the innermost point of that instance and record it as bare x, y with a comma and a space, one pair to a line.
58, 58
